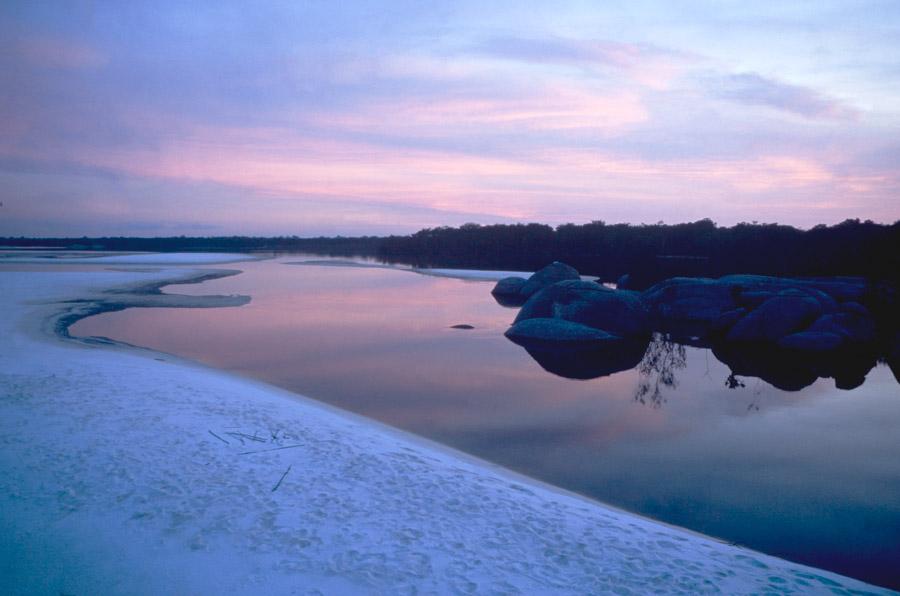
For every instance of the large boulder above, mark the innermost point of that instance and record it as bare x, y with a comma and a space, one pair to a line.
549, 275
841, 289
784, 314
507, 292
727, 320
852, 326
619, 312
514, 291
691, 305
509, 286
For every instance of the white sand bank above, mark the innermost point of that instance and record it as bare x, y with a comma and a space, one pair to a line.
131, 472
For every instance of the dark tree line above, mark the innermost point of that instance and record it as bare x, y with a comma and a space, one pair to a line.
647, 252
653, 252
335, 246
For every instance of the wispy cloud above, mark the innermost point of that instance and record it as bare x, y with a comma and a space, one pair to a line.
644, 63
754, 89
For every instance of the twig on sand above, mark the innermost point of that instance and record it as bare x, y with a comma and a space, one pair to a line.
218, 437
272, 449
274, 488
240, 435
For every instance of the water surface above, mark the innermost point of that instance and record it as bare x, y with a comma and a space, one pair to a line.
812, 475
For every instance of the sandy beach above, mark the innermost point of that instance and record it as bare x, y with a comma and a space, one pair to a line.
127, 471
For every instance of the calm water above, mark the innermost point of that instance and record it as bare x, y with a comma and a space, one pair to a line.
812, 475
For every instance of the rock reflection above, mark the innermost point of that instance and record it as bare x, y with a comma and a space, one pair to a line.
586, 362
657, 369
790, 370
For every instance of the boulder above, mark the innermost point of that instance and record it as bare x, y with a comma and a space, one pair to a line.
549, 275
856, 308
619, 312
752, 298
781, 315
841, 289
541, 303
509, 286
556, 330
854, 327
812, 341
828, 304
695, 302
728, 319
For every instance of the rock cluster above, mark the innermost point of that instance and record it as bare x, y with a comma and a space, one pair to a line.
739, 314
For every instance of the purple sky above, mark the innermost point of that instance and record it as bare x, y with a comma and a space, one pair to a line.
150, 118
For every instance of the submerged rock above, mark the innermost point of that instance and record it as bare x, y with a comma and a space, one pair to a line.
557, 330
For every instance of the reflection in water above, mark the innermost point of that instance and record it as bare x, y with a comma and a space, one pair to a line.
585, 362
657, 369
791, 370
657, 362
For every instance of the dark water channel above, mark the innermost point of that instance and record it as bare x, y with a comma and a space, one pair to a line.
810, 475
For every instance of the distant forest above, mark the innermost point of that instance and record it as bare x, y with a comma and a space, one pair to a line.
646, 252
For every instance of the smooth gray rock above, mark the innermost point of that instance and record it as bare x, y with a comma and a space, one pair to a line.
540, 304
549, 275
812, 341
775, 318
619, 312
509, 286
557, 330
689, 300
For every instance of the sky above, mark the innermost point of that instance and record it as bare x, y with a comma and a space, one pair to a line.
323, 118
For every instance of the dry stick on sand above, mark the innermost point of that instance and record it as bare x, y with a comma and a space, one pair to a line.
274, 488
272, 449
218, 437
240, 435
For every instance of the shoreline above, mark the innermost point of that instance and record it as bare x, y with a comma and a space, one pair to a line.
377, 509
